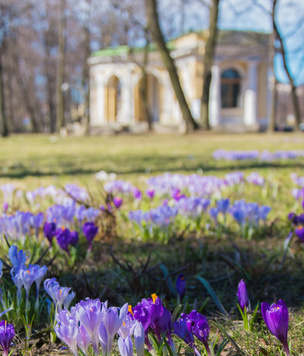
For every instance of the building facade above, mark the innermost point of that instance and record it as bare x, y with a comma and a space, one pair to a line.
240, 92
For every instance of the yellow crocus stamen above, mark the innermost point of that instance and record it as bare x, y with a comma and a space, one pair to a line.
91, 310
300, 227
130, 310
28, 271
5, 324
60, 291
62, 228
124, 324
154, 296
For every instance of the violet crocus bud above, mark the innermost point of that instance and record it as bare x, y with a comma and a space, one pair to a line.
49, 230
7, 334
181, 286
137, 194
90, 231
74, 238
5, 206
117, 202
139, 338
276, 320
150, 193
242, 295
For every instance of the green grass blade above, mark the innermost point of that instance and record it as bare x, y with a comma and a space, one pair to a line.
213, 295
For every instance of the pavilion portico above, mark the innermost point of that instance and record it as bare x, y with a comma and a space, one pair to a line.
239, 90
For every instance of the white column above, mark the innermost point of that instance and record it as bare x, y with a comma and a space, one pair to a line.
270, 85
124, 116
214, 97
167, 110
250, 110
100, 101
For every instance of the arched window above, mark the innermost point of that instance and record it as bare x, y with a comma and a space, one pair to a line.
230, 88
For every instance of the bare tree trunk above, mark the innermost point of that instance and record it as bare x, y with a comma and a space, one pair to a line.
274, 99
295, 99
60, 69
3, 120
273, 115
144, 82
208, 62
153, 25
86, 76
11, 115
27, 99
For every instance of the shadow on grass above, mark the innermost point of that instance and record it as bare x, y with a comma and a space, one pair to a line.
222, 262
147, 164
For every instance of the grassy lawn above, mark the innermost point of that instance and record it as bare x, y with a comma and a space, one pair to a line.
33, 160
113, 270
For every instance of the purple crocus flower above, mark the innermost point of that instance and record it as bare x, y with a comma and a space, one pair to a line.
39, 273
67, 329
198, 325
49, 230
242, 295
139, 338
74, 238
90, 231
57, 293
83, 339
5, 206
112, 321
214, 213
7, 334
181, 330
181, 286
36, 222
90, 314
127, 326
17, 258
28, 276
125, 346
300, 232
160, 318
140, 314
223, 205
117, 202
155, 309
64, 238
137, 194
17, 279
276, 320
176, 195
150, 193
